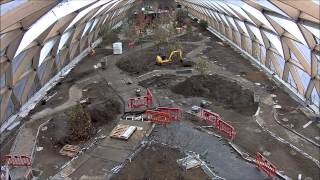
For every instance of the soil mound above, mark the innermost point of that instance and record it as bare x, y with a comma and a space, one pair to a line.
221, 89
144, 61
161, 82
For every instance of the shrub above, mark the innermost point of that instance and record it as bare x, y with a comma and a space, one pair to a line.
203, 66
203, 24
181, 16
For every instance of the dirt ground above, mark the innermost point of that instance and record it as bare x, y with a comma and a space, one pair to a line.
158, 162
144, 61
162, 82
83, 70
220, 89
104, 108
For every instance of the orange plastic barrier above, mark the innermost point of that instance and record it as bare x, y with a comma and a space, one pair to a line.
265, 165
174, 112
158, 117
18, 160
138, 102
215, 120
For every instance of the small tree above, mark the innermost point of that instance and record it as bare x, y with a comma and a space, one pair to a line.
189, 30
181, 16
203, 66
203, 24
80, 123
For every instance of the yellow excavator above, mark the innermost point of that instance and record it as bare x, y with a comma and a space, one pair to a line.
163, 60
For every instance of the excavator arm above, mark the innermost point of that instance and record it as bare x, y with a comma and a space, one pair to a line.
173, 53
160, 60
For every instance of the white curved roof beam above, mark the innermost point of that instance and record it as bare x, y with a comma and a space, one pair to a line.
62, 9
86, 11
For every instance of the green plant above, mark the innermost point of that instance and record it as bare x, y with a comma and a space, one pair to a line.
189, 30
181, 16
203, 24
203, 66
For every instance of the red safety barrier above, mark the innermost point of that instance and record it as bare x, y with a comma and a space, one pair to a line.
209, 117
225, 128
174, 112
138, 102
215, 120
158, 117
131, 45
265, 165
149, 98
18, 160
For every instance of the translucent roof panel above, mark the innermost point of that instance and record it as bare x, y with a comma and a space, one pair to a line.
85, 12
64, 39
59, 11
270, 6
315, 96
291, 27
291, 81
227, 8
18, 89
94, 24
243, 27
275, 42
45, 50
257, 14
305, 51
17, 60
224, 19
2, 81
101, 9
240, 11
305, 78
88, 24
219, 7
232, 22
314, 31
6, 7
257, 33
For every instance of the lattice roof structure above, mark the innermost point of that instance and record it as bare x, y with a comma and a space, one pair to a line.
282, 36
39, 38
